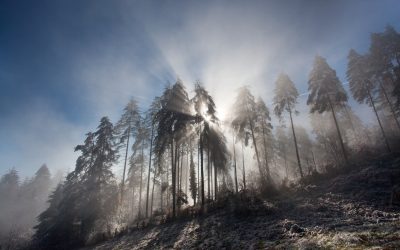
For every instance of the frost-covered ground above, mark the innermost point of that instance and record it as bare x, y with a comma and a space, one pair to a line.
350, 211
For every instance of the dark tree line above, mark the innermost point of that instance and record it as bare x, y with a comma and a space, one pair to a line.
21, 201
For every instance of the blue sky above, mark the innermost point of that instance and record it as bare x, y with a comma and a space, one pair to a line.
65, 64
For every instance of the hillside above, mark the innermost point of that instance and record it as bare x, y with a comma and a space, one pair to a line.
351, 210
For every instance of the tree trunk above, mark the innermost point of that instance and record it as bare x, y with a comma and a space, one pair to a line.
173, 178
266, 157
148, 176
315, 164
202, 170
133, 202
161, 193
215, 181
140, 188
339, 133
243, 169
256, 150
390, 104
152, 195
126, 157
198, 171
286, 166
295, 144
167, 190
177, 156
379, 121
180, 177
234, 164
208, 172
187, 170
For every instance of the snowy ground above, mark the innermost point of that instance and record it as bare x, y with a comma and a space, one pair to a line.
351, 211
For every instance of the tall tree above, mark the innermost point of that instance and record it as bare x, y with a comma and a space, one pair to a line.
173, 117
151, 119
359, 75
384, 57
141, 143
244, 116
263, 128
88, 195
98, 192
234, 162
39, 189
125, 129
285, 99
46, 235
326, 93
218, 154
205, 113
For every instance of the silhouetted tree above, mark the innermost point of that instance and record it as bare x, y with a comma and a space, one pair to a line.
359, 75
326, 93
173, 117
384, 54
46, 235
244, 116
152, 123
98, 193
125, 129
204, 107
285, 99
263, 128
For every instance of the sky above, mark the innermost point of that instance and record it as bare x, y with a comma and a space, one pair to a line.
65, 64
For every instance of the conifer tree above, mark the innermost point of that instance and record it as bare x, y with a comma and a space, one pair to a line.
151, 122
46, 234
359, 75
173, 117
285, 99
243, 122
326, 93
125, 129
263, 128
99, 191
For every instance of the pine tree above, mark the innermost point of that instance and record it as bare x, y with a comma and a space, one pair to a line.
173, 117
9, 185
151, 121
285, 99
65, 209
326, 93
244, 116
263, 128
125, 129
99, 190
205, 113
47, 233
384, 58
360, 77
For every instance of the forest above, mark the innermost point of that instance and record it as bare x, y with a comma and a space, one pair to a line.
181, 161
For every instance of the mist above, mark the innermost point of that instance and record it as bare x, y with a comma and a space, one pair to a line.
150, 112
